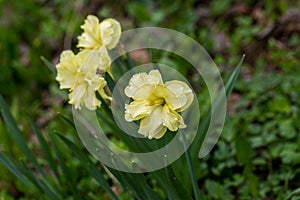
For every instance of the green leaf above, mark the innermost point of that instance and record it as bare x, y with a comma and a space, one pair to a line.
129, 64
14, 170
136, 184
40, 183
191, 171
294, 193
65, 171
171, 184
67, 120
253, 184
286, 128
21, 142
29, 174
243, 150
232, 79
110, 81
89, 165
45, 149
202, 130
217, 191
49, 65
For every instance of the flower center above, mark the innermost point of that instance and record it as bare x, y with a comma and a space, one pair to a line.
158, 101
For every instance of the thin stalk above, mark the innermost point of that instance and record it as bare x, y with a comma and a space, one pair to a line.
191, 169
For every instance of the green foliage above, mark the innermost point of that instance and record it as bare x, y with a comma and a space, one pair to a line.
257, 156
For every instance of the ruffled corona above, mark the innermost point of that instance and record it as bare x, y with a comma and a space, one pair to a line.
157, 104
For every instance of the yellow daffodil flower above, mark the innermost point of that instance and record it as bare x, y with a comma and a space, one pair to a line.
80, 74
156, 103
95, 35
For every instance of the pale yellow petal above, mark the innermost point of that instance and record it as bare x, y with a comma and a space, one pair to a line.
142, 79
104, 60
101, 91
155, 77
76, 95
93, 60
136, 81
90, 38
137, 110
90, 60
152, 125
180, 95
110, 32
66, 69
90, 100
94, 81
161, 133
172, 119
144, 92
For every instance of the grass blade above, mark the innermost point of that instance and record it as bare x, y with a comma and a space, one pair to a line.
24, 170
44, 186
232, 79
170, 183
135, 183
129, 64
66, 172
191, 170
10, 166
45, 148
89, 165
49, 65
202, 131
71, 123
20, 140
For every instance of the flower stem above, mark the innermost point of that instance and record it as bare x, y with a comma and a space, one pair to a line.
191, 169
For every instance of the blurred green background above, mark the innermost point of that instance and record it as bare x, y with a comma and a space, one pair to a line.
258, 154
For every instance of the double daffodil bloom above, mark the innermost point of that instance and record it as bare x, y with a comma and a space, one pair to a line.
96, 34
157, 104
81, 75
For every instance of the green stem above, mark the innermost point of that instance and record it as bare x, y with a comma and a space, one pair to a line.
191, 169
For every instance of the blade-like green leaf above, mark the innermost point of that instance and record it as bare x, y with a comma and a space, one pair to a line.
167, 179
89, 165
41, 183
203, 127
135, 184
110, 81
66, 172
20, 140
71, 123
30, 175
232, 79
45, 149
10, 166
49, 65
294, 193
128, 61
191, 171
244, 150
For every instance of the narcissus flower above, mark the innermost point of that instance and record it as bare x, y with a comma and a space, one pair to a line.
157, 104
81, 74
96, 34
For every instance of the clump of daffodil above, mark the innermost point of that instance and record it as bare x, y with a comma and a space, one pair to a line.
157, 104
81, 75
96, 34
